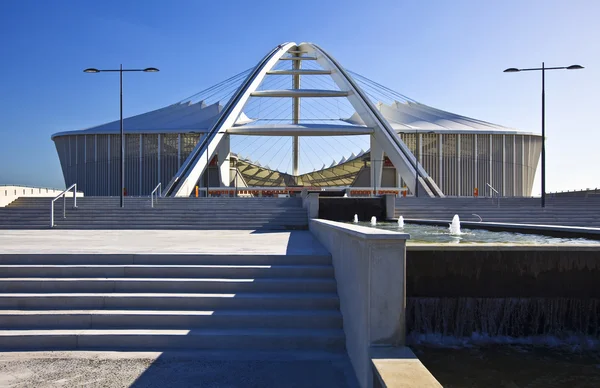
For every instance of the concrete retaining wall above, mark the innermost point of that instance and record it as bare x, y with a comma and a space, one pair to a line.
369, 269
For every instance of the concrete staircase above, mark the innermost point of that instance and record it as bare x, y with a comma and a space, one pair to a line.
558, 211
168, 213
162, 302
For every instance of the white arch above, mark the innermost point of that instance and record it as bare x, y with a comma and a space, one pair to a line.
185, 179
384, 138
383, 134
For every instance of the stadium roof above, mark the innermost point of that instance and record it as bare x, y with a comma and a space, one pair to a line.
191, 115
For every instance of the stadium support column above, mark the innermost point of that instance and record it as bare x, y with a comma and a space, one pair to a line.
296, 117
223, 153
376, 164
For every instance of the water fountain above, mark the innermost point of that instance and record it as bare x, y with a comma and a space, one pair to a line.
455, 225
373, 220
401, 222
355, 220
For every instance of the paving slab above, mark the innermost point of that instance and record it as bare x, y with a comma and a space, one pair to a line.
160, 241
176, 369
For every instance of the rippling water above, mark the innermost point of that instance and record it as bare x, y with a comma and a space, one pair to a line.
439, 234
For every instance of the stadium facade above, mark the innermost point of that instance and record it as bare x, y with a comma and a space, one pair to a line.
306, 110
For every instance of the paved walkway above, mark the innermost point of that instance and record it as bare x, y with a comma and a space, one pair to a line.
160, 241
176, 369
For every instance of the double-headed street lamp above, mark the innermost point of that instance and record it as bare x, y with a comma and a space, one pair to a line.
121, 70
543, 70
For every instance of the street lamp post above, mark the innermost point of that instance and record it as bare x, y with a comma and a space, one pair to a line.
543, 70
121, 70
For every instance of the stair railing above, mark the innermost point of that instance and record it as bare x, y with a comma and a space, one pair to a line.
156, 192
492, 191
64, 195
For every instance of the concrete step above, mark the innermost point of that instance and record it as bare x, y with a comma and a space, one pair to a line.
168, 301
171, 271
139, 339
161, 259
170, 319
183, 285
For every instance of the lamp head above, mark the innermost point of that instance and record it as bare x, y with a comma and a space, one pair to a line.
511, 70
91, 70
574, 67
151, 70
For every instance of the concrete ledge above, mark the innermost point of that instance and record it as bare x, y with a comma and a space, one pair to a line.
399, 367
364, 232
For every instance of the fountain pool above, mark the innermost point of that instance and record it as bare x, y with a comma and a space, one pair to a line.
439, 234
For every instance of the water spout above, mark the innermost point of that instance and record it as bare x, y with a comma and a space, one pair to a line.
355, 220
455, 225
373, 220
401, 222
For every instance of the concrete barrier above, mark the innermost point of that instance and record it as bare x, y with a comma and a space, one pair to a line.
369, 267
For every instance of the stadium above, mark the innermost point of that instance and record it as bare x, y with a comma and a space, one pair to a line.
298, 119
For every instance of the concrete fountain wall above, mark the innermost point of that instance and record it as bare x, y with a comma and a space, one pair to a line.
500, 290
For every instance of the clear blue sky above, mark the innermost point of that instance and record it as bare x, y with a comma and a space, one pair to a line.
447, 54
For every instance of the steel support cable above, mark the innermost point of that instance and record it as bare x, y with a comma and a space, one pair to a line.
179, 116
273, 82
277, 103
223, 89
383, 89
307, 159
318, 107
321, 82
216, 85
275, 108
276, 140
350, 139
284, 158
222, 117
324, 151
226, 97
316, 154
382, 86
261, 98
380, 93
269, 111
263, 140
278, 152
355, 148
326, 140
326, 100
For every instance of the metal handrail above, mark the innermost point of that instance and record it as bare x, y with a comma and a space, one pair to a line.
64, 195
492, 195
156, 192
